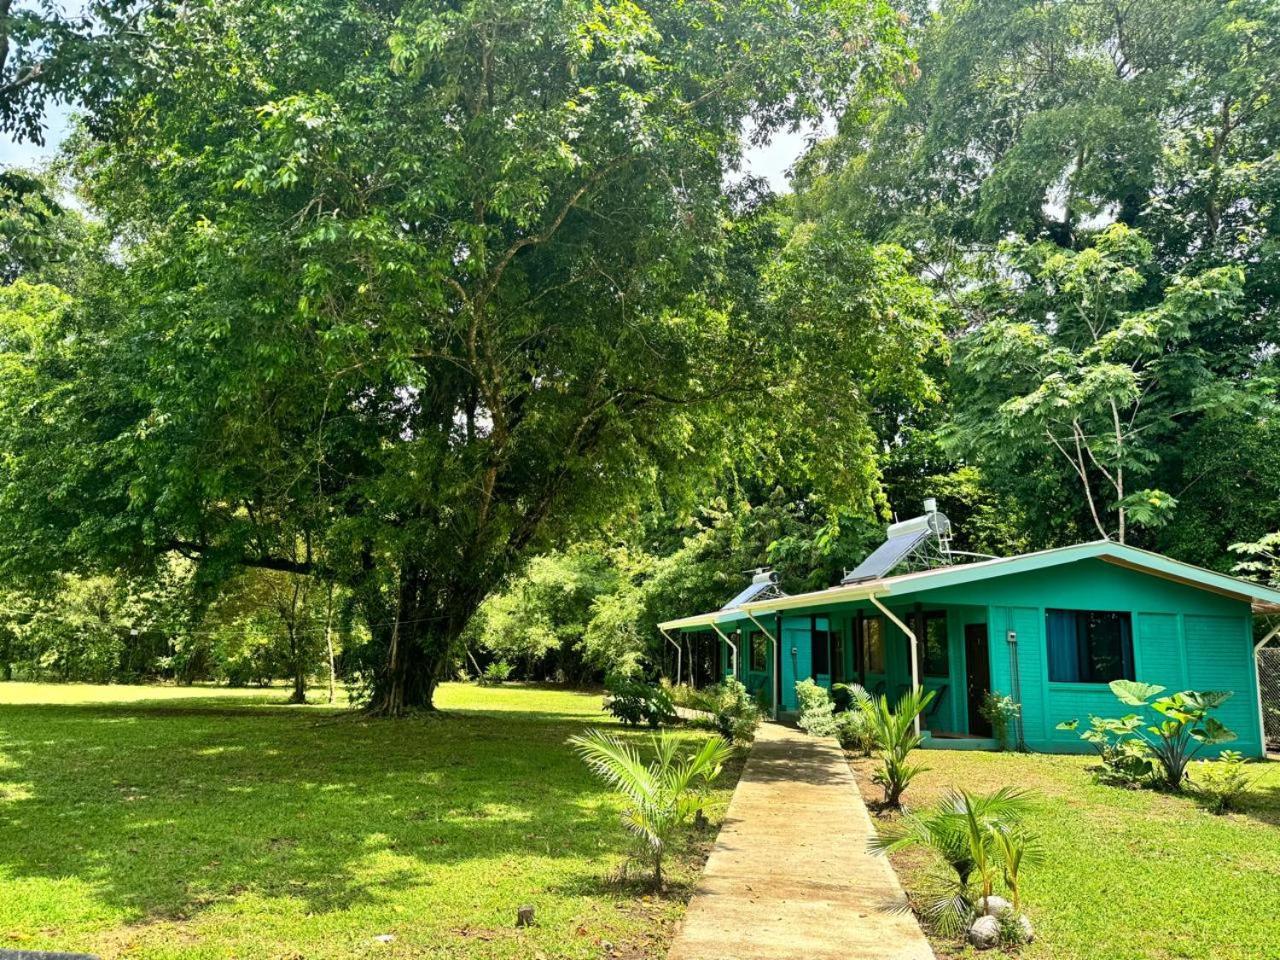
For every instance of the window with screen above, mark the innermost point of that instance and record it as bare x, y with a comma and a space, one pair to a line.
873, 645
1089, 646
934, 659
759, 652
837, 656
821, 636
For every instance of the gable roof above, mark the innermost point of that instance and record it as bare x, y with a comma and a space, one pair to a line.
1263, 599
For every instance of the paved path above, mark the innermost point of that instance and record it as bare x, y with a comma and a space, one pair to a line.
790, 877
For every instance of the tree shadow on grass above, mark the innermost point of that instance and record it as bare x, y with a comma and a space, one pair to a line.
166, 809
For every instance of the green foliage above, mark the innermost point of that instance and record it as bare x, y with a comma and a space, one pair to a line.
1074, 369
496, 674
1001, 711
980, 839
467, 359
635, 701
1222, 783
661, 795
817, 717
856, 726
896, 738
1133, 749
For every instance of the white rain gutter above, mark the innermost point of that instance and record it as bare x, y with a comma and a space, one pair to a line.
732, 646
915, 643
1257, 683
777, 664
679, 653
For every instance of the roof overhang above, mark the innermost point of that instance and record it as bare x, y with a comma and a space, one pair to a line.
1262, 599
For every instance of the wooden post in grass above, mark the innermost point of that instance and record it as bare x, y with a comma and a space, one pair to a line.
524, 916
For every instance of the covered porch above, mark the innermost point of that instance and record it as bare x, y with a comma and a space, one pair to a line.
886, 646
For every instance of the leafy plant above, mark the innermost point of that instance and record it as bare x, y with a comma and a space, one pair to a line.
981, 841
661, 795
1001, 711
633, 701
1223, 782
856, 726
737, 714
495, 674
1172, 742
895, 733
1125, 760
817, 710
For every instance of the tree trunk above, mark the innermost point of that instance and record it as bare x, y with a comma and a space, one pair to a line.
328, 640
426, 625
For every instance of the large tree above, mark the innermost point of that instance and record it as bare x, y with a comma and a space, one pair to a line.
408, 289
1031, 130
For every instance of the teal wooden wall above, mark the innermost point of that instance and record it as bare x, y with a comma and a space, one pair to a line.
1183, 638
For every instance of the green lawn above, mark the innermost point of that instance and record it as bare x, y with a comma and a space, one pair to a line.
1130, 874
160, 822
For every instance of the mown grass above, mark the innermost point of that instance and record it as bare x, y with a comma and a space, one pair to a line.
162, 823
1129, 874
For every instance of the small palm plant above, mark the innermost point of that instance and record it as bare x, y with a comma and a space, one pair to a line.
979, 838
661, 795
895, 733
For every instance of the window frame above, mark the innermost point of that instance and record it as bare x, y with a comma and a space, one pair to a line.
872, 628
1127, 662
756, 642
923, 619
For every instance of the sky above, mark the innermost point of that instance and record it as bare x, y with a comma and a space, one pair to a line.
770, 161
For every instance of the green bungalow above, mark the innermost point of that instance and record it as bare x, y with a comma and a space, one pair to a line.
1050, 629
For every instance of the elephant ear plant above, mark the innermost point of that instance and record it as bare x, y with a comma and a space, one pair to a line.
1160, 751
661, 795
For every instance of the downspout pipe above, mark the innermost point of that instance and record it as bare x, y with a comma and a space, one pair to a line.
679, 653
732, 646
915, 644
777, 664
1257, 682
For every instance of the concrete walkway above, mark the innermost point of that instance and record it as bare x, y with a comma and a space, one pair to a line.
790, 877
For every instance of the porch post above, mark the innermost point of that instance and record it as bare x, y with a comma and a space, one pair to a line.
679, 653
915, 642
732, 646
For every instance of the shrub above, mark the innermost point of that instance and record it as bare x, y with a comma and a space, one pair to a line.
661, 795
1223, 782
495, 674
896, 735
737, 715
856, 726
633, 701
1001, 712
1169, 744
816, 709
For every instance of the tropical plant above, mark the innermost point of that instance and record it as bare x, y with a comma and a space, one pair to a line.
737, 714
1001, 711
896, 735
1223, 782
1124, 760
855, 726
660, 795
633, 701
1172, 742
980, 839
495, 674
